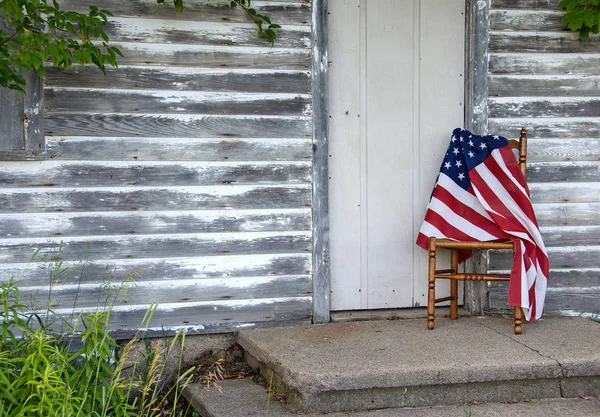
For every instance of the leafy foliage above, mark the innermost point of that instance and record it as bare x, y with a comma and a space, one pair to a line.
43, 376
582, 16
259, 20
80, 371
35, 31
266, 29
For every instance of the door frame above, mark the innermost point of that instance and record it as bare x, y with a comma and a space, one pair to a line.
477, 21
476, 119
320, 167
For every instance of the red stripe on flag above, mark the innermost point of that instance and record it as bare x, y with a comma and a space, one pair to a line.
468, 213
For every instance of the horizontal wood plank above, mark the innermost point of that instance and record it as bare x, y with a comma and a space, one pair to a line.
173, 291
519, 108
565, 257
123, 174
213, 56
208, 33
213, 317
573, 214
548, 42
154, 198
557, 150
196, 317
523, 19
182, 79
284, 13
582, 300
565, 193
571, 235
94, 271
156, 246
525, 4
174, 149
59, 225
543, 85
551, 64
549, 127
581, 171
175, 102
157, 125
574, 279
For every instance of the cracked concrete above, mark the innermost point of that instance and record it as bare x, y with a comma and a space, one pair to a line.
376, 364
519, 340
245, 398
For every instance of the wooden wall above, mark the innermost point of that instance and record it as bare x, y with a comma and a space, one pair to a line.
191, 162
543, 77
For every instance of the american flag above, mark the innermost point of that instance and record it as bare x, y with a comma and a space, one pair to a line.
481, 195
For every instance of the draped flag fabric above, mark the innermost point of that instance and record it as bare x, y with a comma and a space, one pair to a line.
481, 195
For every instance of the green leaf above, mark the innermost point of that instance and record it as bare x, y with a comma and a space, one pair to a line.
178, 5
232, 4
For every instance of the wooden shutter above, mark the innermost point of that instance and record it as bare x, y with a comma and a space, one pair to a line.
22, 121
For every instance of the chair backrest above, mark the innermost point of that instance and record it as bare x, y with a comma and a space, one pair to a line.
521, 146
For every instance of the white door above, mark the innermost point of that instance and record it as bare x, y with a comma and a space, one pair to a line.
395, 95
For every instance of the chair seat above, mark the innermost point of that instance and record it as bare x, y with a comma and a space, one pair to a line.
453, 244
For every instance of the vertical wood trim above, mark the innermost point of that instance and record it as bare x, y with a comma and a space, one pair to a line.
476, 65
11, 125
321, 270
33, 115
363, 54
476, 118
416, 144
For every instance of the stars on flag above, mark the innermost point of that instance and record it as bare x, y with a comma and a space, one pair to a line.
460, 159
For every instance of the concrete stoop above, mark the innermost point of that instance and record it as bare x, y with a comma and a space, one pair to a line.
357, 366
244, 398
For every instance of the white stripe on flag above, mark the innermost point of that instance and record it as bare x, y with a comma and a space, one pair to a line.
462, 195
430, 230
459, 222
504, 196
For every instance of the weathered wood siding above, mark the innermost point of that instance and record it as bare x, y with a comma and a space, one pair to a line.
543, 77
191, 162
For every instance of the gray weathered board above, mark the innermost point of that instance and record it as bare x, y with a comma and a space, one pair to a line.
546, 79
189, 166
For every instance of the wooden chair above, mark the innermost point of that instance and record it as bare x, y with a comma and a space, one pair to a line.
455, 246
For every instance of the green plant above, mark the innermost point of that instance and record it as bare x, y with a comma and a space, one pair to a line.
582, 16
78, 370
44, 375
259, 20
35, 31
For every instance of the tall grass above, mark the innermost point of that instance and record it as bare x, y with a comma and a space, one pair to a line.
77, 371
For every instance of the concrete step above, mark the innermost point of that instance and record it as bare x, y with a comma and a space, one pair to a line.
245, 398
385, 364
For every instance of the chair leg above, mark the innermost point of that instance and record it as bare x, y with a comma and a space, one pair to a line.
518, 316
431, 286
454, 286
